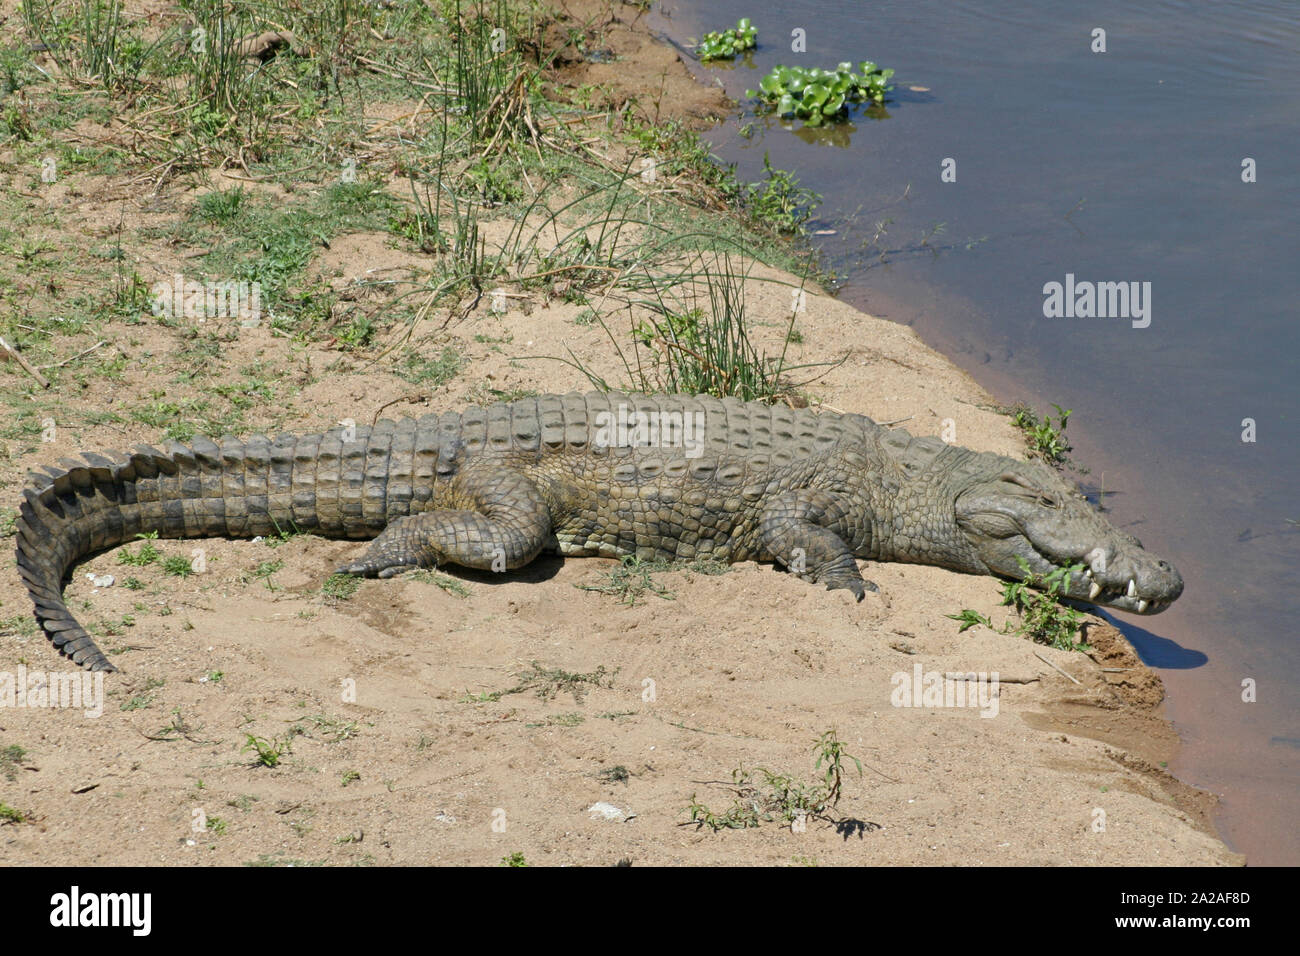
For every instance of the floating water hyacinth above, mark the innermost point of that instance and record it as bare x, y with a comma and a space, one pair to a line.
726, 44
817, 96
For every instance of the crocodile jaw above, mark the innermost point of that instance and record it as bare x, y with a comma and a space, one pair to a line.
1028, 513
1135, 580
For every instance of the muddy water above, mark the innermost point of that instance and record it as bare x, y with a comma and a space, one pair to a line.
1116, 166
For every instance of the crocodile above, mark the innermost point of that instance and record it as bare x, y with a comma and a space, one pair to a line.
608, 474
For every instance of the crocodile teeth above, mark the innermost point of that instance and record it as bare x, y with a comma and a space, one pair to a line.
1142, 607
1132, 588
1087, 573
1094, 591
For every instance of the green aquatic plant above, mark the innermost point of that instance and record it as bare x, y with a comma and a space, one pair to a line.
726, 44
779, 202
815, 95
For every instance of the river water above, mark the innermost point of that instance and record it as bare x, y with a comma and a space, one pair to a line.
1118, 166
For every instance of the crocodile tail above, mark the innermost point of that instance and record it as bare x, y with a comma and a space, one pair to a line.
344, 483
67, 512
97, 501
88, 504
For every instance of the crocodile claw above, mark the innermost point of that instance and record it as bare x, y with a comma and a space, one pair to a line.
362, 569
859, 586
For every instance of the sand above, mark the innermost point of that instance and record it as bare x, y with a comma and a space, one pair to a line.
399, 752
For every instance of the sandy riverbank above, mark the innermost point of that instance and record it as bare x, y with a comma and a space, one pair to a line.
748, 668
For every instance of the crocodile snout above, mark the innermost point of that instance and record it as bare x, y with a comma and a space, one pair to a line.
1127, 578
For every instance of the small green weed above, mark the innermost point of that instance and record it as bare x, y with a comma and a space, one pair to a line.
632, 578
764, 796
1036, 600
969, 619
11, 758
497, 184
340, 587
1043, 619
335, 729
423, 370
147, 553
221, 206
178, 566
549, 682
483, 697
779, 202
445, 581
616, 774
559, 720
265, 570
1044, 439
269, 752
145, 697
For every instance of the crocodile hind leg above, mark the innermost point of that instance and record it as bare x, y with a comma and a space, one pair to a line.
803, 530
499, 522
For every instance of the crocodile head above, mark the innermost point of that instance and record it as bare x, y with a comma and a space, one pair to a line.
1027, 511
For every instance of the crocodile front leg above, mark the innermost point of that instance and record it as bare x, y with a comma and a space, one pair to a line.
802, 530
502, 523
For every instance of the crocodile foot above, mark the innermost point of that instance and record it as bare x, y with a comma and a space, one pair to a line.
376, 567
854, 582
